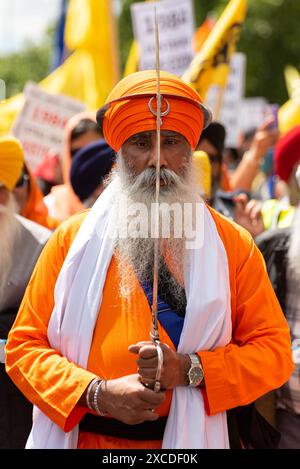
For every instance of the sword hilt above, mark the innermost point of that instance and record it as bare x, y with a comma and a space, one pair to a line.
160, 358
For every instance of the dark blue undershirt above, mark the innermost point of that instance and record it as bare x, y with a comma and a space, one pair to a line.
171, 321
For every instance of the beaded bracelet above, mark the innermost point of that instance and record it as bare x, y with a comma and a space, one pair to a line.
88, 392
95, 398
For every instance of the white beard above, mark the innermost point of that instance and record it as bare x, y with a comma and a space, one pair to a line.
294, 250
9, 230
138, 251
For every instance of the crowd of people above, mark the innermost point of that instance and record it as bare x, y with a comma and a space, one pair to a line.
75, 302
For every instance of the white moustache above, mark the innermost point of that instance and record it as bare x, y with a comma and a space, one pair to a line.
148, 177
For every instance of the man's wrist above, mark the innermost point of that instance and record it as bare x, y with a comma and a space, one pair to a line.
194, 375
93, 396
185, 364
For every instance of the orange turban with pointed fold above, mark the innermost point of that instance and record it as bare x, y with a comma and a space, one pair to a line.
11, 161
128, 108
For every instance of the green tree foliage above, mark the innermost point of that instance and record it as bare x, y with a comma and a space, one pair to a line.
125, 31
270, 39
32, 63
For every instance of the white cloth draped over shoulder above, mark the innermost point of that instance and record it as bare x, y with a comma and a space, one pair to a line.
78, 297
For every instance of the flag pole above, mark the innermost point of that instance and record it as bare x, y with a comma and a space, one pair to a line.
219, 103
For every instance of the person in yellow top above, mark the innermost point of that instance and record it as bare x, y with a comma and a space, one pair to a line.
80, 347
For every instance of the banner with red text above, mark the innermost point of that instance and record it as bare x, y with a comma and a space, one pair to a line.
40, 125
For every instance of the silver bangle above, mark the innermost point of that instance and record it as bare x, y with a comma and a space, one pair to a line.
88, 393
95, 399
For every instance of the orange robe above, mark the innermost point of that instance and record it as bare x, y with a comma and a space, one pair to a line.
35, 208
257, 360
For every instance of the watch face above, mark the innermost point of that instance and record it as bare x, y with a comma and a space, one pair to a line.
195, 376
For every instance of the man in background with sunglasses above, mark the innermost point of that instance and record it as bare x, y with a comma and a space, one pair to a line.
21, 242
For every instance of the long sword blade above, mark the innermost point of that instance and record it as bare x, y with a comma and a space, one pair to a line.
154, 333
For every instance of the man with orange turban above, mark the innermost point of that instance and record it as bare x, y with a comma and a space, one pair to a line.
21, 242
80, 348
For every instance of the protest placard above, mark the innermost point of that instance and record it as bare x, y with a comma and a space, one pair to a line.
252, 112
40, 125
176, 28
232, 99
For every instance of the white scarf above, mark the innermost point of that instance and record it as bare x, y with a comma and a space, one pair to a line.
78, 297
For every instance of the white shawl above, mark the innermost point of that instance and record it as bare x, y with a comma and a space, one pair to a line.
78, 297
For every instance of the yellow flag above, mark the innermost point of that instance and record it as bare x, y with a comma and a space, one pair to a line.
8, 111
202, 33
289, 113
212, 64
91, 71
132, 64
292, 79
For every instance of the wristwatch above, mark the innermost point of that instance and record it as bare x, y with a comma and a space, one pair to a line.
195, 373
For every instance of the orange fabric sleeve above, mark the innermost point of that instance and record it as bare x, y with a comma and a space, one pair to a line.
225, 179
35, 208
258, 359
28, 345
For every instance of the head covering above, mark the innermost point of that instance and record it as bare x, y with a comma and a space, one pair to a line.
215, 133
287, 154
89, 167
11, 161
62, 200
202, 164
69, 128
127, 109
289, 115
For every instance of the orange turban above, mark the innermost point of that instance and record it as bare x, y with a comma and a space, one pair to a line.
127, 112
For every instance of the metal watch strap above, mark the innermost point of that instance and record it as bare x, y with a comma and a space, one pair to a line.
194, 359
195, 373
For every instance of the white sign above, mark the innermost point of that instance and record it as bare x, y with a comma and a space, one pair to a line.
252, 113
232, 99
40, 125
176, 28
